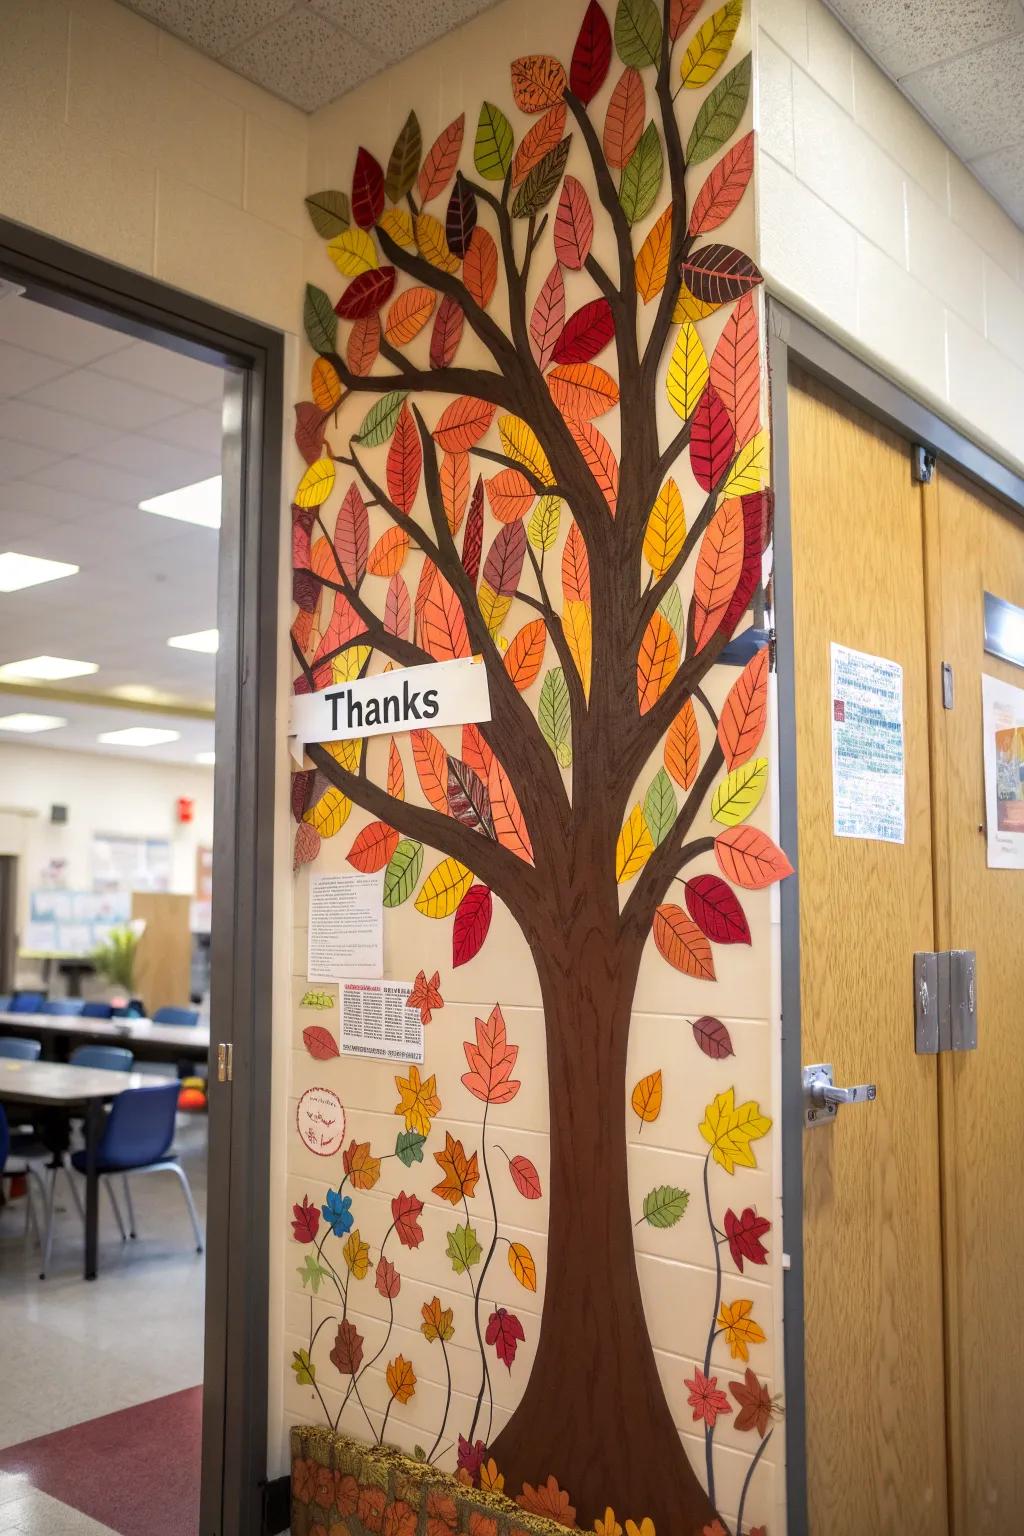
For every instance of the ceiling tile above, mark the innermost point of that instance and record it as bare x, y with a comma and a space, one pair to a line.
51, 332
1003, 175
213, 26
95, 480
394, 28
198, 430
917, 33
975, 101
167, 372
35, 424
22, 370
111, 402
166, 466
302, 58
18, 459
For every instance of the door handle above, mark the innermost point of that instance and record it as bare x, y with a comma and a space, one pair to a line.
822, 1098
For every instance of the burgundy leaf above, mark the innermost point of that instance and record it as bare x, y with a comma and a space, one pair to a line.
468, 800
757, 531
713, 1038
352, 535
305, 1221
712, 439
714, 908
309, 430
388, 1280
591, 55
319, 1042
717, 274
367, 190
447, 333
301, 784
460, 220
505, 1332
366, 293
471, 1458
586, 333
745, 1233
473, 537
347, 1353
472, 920
306, 590
504, 564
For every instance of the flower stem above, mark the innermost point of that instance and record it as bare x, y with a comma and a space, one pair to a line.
709, 1432
447, 1402
746, 1481
485, 1378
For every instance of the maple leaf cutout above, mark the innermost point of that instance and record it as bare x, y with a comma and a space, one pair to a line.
401, 1379
405, 1213
745, 1233
426, 995
419, 1102
706, 1398
360, 1165
505, 1332
739, 1328
460, 1173
730, 1129
756, 1407
437, 1321
491, 1060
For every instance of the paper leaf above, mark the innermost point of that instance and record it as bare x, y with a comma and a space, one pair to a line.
638, 32
666, 529
441, 160
373, 848
387, 1279
592, 54
681, 943
582, 391
651, 266
511, 495
504, 564
379, 422
353, 253
709, 46
406, 1211
319, 320
347, 1353
657, 661
712, 1037
739, 793
541, 182
431, 763
460, 219
505, 1332
363, 345
319, 1042
468, 801
717, 571
472, 539
409, 1147
574, 225
367, 190
401, 1379
464, 1249
509, 822
714, 908
660, 806
443, 889
316, 484
404, 462
463, 423
491, 1060
736, 370
687, 372
480, 268
523, 659
447, 332
599, 457
388, 554
577, 628
472, 922
712, 440
748, 472
749, 858
444, 623
329, 213
542, 529
720, 113
554, 715
726, 184
547, 317
403, 872
433, 243
408, 315
745, 711
525, 1177
665, 1206
633, 847
538, 82
719, 273
492, 148
520, 1262
586, 333
646, 1098
624, 119
405, 159
543, 138
575, 567
641, 176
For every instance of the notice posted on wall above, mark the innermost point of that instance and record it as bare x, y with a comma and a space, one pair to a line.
868, 788
376, 1020
346, 926
1002, 714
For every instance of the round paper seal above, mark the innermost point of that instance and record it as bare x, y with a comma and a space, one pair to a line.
320, 1120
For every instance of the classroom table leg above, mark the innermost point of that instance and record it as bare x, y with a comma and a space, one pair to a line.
93, 1123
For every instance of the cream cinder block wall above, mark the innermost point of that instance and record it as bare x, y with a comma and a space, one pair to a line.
872, 228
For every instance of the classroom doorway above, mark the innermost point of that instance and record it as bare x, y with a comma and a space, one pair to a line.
139, 446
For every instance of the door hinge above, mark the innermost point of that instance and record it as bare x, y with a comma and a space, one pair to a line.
922, 464
947, 685
945, 1001
225, 1062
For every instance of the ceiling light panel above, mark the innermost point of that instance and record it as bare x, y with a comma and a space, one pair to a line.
45, 669
26, 724
199, 503
19, 571
205, 640
138, 736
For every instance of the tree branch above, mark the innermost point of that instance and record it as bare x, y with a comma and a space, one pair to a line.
680, 240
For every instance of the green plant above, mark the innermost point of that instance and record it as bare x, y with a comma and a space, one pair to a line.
116, 958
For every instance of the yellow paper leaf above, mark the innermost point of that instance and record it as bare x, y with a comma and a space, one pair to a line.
730, 1130
646, 1100
750, 469
666, 529
330, 813
689, 307
710, 44
346, 753
521, 445
444, 888
401, 1379
687, 371
433, 245
356, 1254
579, 638
397, 223
651, 265
739, 1328
608, 1525
543, 526
645, 1528
350, 663
316, 484
353, 252
419, 1102
634, 847
494, 608
520, 1262
739, 792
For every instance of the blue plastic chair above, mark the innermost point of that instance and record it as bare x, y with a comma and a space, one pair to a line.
63, 1007
176, 1016
137, 1139
5, 1003
96, 1011
27, 1002
16, 1049
22, 1170
111, 1058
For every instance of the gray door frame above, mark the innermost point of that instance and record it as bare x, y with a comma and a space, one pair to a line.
795, 342
234, 1457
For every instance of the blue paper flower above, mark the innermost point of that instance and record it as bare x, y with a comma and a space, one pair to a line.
338, 1212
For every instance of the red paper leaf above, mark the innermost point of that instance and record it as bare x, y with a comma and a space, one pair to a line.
352, 535
367, 190
463, 423
388, 1281
713, 1038
717, 274
310, 423
718, 569
460, 219
591, 55
441, 160
491, 1060
305, 1221
447, 333
745, 1233
574, 225
757, 520
720, 194
586, 333
396, 608
319, 1042
347, 1354
473, 538
547, 317
472, 921
749, 858
504, 564
681, 13
307, 841
468, 800
372, 849
505, 1332
525, 1177
480, 267
624, 120
301, 785
366, 293
405, 1213
714, 908
404, 461
363, 345
712, 439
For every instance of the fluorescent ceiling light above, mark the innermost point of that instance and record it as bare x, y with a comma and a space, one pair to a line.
138, 736
17, 571
199, 503
202, 640
206, 758
49, 669
29, 723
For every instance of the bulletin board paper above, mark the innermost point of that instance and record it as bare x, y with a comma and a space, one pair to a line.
868, 771
376, 1020
346, 926
1002, 712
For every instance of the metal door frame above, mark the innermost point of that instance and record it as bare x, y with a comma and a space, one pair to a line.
234, 1455
795, 342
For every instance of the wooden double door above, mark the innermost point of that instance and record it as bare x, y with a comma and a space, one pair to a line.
913, 1217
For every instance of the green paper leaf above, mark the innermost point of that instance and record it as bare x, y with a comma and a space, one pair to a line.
719, 114
403, 872
403, 167
311, 1274
463, 1249
542, 529
554, 715
320, 321
495, 141
329, 212
379, 422
302, 1365
660, 806
419, 1453
641, 176
316, 1000
410, 1144
541, 182
671, 608
664, 1206
638, 33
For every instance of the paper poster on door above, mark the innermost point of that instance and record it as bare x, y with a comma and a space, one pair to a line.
868, 790
376, 1020
346, 926
1002, 716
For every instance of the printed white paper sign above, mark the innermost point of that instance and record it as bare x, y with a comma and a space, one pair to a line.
377, 1021
1003, 725
346, 926
440, 693
868, 798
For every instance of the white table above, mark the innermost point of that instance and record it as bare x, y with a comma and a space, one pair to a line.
156, 1042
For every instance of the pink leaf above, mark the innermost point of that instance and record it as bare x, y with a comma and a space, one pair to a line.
525, 1177
547, 318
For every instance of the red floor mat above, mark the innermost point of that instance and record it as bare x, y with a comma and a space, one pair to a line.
136, 1471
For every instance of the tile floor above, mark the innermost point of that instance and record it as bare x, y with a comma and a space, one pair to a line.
81, 1349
